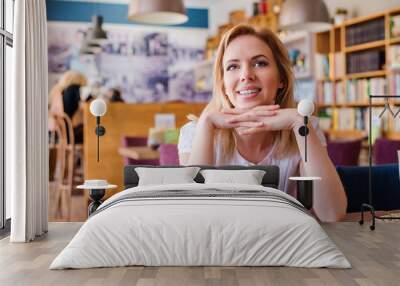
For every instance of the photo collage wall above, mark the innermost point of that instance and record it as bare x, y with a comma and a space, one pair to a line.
145, 65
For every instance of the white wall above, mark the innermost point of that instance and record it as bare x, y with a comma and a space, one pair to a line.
219, 11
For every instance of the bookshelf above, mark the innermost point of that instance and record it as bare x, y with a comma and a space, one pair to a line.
355, 59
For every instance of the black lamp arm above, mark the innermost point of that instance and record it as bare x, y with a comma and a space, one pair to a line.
100, 131
303, 131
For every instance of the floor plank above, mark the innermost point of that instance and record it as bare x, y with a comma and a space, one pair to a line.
375, 257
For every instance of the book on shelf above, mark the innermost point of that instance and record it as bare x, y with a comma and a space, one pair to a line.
325, 93
358, 90
345, 119
395, 26
364, 61
394, 56
339, 64
340, 95
373, 30
331, 92
322, 66
379, 122
394, 82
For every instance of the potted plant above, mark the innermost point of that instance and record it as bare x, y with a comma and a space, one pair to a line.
340, 15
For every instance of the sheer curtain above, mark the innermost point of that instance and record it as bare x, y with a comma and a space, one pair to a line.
26, 123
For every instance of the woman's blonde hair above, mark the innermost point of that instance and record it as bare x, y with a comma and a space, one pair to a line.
284, 141
67, 79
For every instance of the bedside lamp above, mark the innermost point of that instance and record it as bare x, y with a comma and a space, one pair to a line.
305, 108
305, 184
98, 108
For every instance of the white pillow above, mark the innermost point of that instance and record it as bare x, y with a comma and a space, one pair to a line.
249, 177
163, 176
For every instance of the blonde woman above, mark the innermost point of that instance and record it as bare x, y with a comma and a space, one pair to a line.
252, 120
65, 98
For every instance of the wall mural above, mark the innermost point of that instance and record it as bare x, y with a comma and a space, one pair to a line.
146, 66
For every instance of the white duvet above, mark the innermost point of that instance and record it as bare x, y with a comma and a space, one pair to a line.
200, 231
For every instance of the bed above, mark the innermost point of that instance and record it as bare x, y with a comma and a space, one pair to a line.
201, 224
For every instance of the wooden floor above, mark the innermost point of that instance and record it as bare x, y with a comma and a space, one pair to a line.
374, 255
59, 212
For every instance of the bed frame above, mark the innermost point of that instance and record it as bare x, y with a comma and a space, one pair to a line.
270, 179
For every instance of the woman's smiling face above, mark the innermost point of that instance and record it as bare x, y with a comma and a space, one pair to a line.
251, 76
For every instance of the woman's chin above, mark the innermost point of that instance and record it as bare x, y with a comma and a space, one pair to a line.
248, 103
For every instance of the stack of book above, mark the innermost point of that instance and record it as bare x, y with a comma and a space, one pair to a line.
394, 57
394, 81
370, 60
344, 119
370, 31
395, 26
340, 95
358, 90
321, 66
358, 119
325, 93
338, 59
331, 93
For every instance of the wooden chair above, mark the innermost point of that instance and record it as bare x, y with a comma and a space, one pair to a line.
344, 153
63, 158
169, 154
385, 151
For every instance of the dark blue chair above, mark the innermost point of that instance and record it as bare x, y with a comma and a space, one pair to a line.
385, 186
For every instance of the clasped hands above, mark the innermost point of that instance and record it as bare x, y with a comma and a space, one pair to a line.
257, 119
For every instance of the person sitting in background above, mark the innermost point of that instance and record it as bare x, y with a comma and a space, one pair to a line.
114, 95
65, 98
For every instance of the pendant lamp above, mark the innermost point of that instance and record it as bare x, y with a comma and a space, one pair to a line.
89, 46
309, 15
158, 12
96, 34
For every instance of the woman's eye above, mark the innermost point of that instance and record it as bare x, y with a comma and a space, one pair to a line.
261, 64
231, 67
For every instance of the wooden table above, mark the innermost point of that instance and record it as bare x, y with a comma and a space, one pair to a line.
139, 153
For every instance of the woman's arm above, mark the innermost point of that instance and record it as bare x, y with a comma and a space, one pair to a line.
202, 151
184, 159
203, 142
330, 202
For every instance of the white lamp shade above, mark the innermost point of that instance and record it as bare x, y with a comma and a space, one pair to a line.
98, 107
159, 12
305, 107
309, 15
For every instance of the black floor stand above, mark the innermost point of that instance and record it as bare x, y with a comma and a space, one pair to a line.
369, 206
96, 195
372, 211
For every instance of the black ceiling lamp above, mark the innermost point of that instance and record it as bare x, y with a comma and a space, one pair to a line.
89, 47
96, 34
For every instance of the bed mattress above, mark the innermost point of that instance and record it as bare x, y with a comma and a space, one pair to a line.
201, 225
